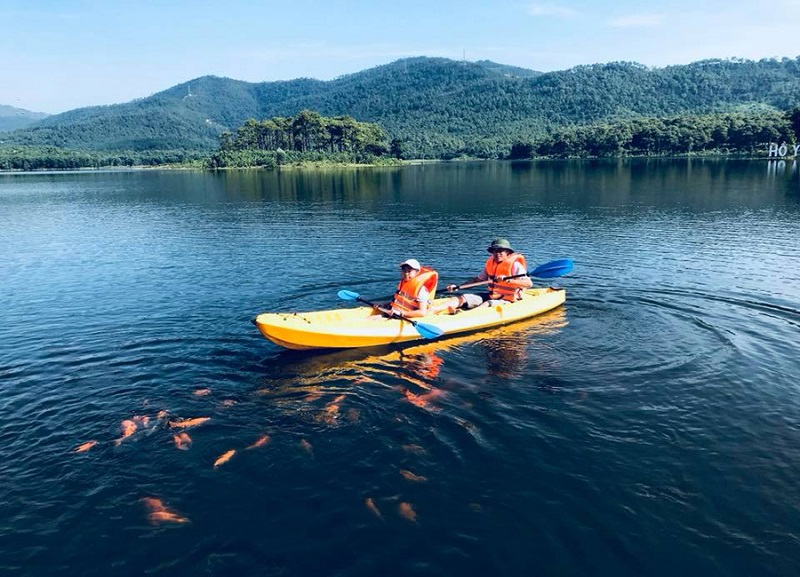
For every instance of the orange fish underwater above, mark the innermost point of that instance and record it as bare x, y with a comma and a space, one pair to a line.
85, 446
188, 423
159, 513
406, 511
411, 448
141, 420
166, 517
409, 476
421, 401
260, 442
415, 400
372, 507
153, 504
224, 458
128, 428
329, 414
182, 441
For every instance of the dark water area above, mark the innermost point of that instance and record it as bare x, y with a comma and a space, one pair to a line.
651, 426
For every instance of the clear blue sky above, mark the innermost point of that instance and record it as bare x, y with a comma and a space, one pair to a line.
60, 55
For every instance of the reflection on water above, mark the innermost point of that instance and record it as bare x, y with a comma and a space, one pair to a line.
507, 358
422, 360
783, 168
312, 385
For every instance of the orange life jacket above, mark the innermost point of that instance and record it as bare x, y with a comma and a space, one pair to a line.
499, 289
405, 298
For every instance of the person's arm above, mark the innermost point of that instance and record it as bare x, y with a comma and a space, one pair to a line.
483, 277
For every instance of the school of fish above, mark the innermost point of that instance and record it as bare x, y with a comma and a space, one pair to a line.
158, 513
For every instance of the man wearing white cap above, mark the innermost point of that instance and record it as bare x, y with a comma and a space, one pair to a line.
416, 289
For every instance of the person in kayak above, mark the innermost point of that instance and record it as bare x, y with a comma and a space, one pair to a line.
415, 291
503, 262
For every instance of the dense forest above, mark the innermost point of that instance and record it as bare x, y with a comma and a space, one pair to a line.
732, 133
55, 158
308, 136
442, 109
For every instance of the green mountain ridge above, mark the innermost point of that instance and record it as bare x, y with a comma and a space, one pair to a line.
434, 105
12, 118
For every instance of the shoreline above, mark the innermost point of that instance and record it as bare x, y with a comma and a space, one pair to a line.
413, 162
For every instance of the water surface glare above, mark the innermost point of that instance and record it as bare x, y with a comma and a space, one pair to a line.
651, 426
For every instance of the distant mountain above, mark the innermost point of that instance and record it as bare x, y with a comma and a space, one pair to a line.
434, 105
12, 118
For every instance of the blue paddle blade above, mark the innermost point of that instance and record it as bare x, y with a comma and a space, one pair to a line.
554, 268
347, 295
428, 331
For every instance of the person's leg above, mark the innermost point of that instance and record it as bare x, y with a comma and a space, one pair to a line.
465, 301
471, 300
450, 305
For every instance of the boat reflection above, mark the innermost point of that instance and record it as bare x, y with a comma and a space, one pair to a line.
505, 348
505, 357
317, 387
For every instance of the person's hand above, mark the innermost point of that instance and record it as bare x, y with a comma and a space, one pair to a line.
452, 287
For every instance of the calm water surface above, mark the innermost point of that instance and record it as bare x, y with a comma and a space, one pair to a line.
651, 426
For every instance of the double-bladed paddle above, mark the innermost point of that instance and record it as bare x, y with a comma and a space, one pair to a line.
552, 269
424, 329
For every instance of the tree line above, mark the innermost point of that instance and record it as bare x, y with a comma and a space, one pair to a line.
55, 158
726, 133
309, 136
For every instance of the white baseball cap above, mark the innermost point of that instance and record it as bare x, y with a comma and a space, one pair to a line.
412, 262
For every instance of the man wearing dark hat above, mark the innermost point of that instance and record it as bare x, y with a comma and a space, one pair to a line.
503, 262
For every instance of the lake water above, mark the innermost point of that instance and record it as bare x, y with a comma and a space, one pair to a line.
651, 426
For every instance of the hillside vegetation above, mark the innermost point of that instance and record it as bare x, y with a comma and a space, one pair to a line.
306, 137
12, 118
439, 108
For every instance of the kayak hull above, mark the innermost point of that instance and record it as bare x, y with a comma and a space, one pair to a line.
360, 327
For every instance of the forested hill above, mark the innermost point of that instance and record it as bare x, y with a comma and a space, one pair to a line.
12, 118
434, 105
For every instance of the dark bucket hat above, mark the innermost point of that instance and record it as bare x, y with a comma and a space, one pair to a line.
500, 243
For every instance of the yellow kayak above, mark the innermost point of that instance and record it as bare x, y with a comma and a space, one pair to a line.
360, 327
